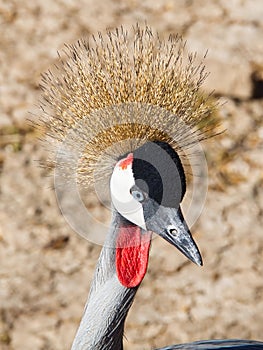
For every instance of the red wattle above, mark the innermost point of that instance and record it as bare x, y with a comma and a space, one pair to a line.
132, 253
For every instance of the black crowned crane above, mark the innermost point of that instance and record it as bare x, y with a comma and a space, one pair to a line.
124, 111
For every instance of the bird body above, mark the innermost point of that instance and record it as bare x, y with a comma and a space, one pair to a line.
125, 111
236, 344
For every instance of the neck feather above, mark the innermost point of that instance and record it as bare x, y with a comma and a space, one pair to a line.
102, 324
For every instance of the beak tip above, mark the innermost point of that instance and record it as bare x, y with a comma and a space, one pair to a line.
195, 256
199, 261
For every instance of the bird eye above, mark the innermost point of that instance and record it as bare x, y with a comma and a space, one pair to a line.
138, 195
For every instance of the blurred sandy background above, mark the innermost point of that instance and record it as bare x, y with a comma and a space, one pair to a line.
46, 268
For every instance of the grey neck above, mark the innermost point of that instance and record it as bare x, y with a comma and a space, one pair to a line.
105, 312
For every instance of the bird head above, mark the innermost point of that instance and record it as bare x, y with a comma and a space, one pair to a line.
147, 187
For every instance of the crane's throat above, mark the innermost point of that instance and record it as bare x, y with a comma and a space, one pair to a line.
132, 254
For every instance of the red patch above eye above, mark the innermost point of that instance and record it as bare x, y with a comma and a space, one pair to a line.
124, 163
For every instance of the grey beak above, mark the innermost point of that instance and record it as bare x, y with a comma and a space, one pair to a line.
169, 223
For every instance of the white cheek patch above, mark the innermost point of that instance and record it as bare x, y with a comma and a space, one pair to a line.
121, 182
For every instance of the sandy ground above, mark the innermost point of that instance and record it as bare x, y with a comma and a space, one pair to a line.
46, 268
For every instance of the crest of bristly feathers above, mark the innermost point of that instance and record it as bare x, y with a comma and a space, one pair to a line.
115, 92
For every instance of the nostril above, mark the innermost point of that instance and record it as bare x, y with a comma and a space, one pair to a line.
173, 231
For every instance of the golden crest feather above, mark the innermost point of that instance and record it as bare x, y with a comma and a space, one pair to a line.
118, 91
